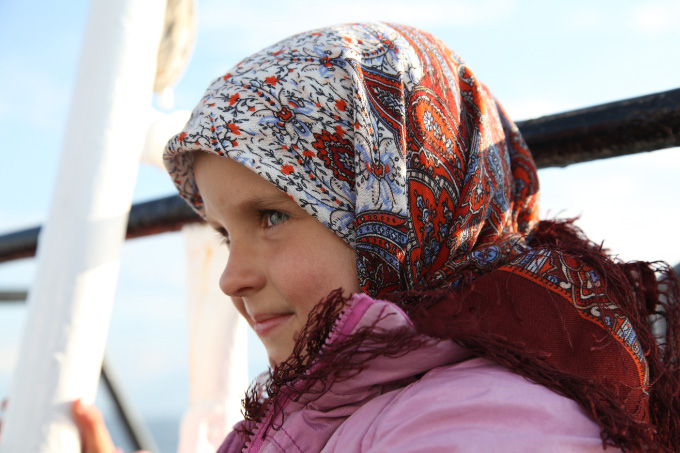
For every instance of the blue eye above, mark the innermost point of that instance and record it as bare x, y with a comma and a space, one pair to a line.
275, 218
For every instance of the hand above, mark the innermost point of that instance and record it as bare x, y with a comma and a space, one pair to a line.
94, 437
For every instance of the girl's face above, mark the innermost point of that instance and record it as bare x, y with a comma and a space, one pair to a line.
282, 261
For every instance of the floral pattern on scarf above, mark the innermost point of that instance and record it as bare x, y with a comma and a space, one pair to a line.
387, 138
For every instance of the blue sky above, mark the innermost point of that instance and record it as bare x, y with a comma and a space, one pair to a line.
537, 57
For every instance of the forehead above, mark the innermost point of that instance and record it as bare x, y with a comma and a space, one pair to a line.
224, 183
213, 172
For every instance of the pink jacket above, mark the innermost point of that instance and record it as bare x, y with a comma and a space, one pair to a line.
436, 398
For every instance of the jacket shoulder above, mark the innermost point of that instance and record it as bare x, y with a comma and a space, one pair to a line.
475, 405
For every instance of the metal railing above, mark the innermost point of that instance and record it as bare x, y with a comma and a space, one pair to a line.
645, 123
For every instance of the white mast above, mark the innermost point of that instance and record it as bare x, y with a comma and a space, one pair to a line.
70, 303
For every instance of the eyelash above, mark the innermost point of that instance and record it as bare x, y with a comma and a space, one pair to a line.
223, 236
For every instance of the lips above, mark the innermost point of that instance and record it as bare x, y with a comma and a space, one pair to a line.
264, 324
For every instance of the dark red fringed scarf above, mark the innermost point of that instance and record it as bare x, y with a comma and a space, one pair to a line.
568, 317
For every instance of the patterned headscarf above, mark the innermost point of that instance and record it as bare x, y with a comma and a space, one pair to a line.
386, 137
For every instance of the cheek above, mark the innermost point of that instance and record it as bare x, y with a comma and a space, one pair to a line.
312, 270
302, 282
241, 307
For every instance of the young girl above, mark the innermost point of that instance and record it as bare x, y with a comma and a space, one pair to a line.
381, 213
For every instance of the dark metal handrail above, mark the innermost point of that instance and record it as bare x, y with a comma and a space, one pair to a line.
148, 218
140, 435
645, 123
13, 296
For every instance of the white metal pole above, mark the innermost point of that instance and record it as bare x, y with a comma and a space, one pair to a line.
70, 303
218, 354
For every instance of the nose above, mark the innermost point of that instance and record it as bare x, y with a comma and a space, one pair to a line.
243, 275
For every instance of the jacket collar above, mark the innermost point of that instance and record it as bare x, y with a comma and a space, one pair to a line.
326, 411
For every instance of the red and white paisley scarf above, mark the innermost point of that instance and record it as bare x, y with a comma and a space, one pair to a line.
387, 138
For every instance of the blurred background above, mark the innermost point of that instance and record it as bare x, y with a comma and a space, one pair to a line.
537, 57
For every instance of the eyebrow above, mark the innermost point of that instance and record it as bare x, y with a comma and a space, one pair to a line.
255, 204
266, 202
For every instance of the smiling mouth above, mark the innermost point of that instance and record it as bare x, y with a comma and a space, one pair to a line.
263, 327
